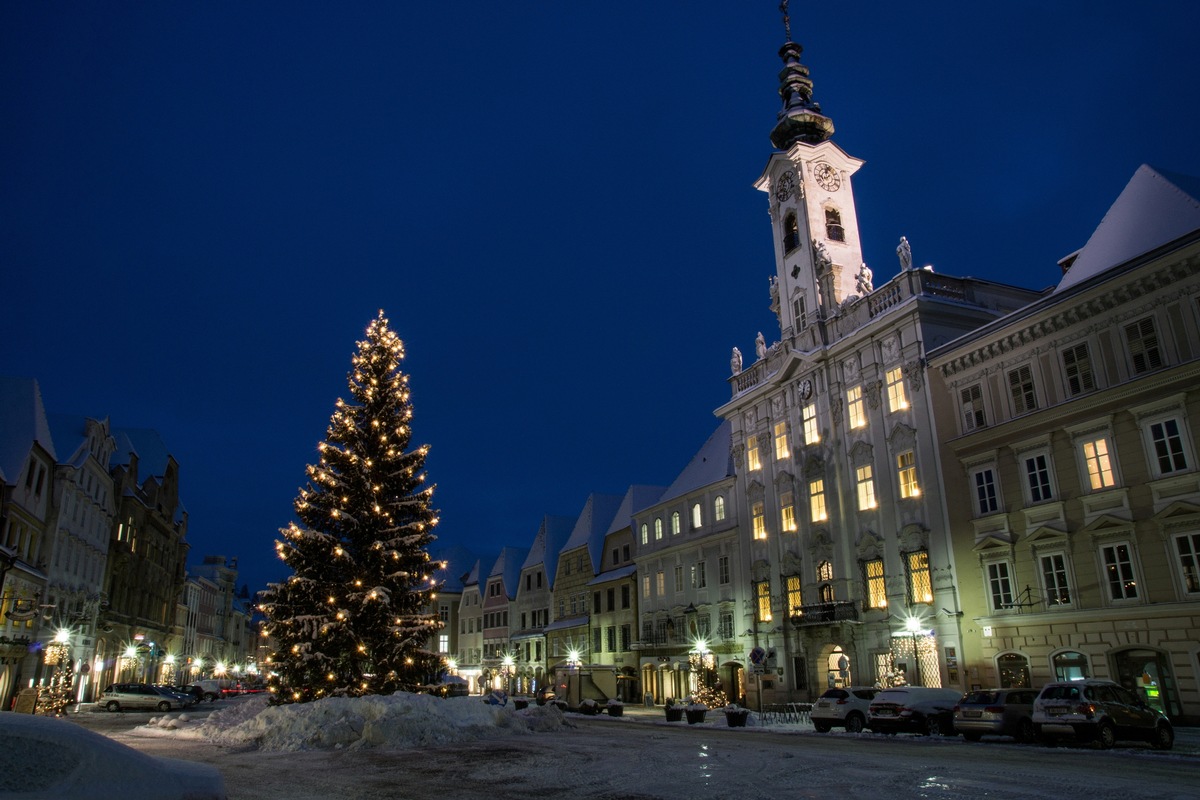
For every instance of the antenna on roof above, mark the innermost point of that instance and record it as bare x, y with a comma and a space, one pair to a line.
787, 21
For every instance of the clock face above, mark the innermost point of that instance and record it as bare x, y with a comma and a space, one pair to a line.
805, 389
827, 177
785, 186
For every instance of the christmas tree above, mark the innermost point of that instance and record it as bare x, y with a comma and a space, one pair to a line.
355, 617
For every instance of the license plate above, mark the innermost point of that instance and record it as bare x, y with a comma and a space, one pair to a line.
972, 714
885, 712
823, 704
1055, 711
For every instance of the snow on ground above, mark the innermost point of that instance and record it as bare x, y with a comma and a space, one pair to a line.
400, 720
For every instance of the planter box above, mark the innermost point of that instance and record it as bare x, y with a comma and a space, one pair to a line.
695, 717
616, 711
674, 714
736, 719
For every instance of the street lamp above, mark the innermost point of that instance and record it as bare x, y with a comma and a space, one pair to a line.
506, 671
574, 658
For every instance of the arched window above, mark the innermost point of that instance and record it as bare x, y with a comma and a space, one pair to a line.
697, 520
719, 508
674, 523
1014, 671
657, 528
645, 534
791, 233
1070, 666
834, 231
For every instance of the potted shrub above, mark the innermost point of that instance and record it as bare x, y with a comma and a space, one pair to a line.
674, 710
695, 712
615, 708
589, 707
736, 716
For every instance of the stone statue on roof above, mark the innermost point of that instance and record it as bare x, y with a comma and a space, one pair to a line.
862, 280
904, 253
760, 346
735, 362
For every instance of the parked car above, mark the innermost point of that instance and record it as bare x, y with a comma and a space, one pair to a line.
843, 708
1098, 711
996, 712
120, 696
185, 698
913, 709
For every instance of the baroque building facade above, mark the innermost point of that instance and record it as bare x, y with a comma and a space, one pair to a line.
1073, 484
843, 537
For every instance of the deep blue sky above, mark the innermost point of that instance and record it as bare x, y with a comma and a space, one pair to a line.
202, 205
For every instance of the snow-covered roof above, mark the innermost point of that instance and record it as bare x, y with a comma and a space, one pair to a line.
569, 622
713, 463
22, 422
1155, 208
592, 525
508, 568
551, 535
614, 574
70, 431
636, 498
149, 447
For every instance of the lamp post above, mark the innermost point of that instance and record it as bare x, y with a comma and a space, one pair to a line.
573, 661
506, 671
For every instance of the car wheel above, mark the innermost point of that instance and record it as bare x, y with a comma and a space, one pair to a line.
933, 726
112, 705
210, 697
164, 706
972, 737
821, 727
1025, 731
1164, 738
855, 723
1106, 736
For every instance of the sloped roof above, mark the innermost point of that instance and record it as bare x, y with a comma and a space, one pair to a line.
592, 525
149, 446
70, 430
713, 462
636, 498
1155, 208
551, 535
508, 567
22, 422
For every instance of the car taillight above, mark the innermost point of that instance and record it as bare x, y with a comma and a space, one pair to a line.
994, 709
1087, 709
842, 701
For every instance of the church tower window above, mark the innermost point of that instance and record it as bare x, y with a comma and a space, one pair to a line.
791, 233
834, 231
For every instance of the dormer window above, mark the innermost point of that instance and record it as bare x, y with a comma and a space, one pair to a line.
791, 233
834, 231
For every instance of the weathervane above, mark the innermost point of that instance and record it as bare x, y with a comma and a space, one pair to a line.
787, 21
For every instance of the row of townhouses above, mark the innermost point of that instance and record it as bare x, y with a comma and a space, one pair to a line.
934, 480
93, 550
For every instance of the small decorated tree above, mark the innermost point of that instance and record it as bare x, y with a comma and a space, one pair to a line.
355, 617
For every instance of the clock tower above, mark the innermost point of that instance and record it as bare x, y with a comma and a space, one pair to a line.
818, 253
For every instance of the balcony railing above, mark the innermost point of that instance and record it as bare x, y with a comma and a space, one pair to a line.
826, 613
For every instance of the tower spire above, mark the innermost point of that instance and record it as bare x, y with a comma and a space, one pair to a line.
800, 119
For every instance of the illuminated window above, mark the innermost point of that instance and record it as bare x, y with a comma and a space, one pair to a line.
661, 581
787, 511
897, 399
696, 518
854, 404
816, 500
759, 521
762, 594
812, 434
718, 508
1099, 465
907, 470
657, 528
443, 643
795, 598
645, 534
645, 589
753, 461
1187, 547
920, 587
674, 523
781, 441
1054, 579
873, 579
866, 487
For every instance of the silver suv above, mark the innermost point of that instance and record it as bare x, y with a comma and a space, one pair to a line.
843, 707
1098, 711
120, 696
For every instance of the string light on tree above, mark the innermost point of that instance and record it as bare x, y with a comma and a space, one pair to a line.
354, 619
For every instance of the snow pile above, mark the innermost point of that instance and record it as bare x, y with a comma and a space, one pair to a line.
399, 720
